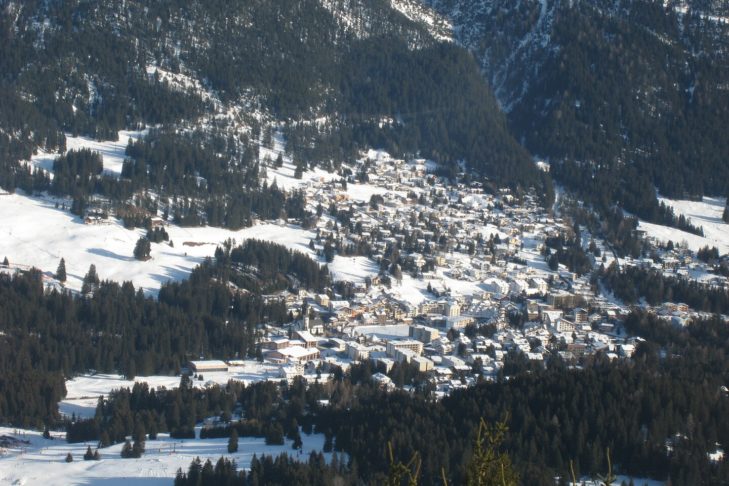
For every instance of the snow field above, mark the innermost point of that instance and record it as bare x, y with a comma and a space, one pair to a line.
112, 152
706, 213
42, 461
353, 269
34, 233
83, 392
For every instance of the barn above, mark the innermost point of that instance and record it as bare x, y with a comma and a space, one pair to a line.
207, 366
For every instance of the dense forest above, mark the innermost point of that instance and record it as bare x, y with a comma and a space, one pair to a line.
48, 336
632, 284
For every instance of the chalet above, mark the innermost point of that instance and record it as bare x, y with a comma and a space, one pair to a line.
550, 317
289, 372
322, 300
278, 343
539, 285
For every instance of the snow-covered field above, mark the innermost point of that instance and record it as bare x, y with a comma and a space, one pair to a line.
34, 460
353, 269
37, 461
363, 192
113, 152
706, 214
34, 233
83, 392
284, 176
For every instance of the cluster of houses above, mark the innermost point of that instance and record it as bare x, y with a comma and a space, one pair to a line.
463, 282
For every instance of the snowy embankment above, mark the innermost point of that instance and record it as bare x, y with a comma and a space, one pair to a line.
33, 232
705, 214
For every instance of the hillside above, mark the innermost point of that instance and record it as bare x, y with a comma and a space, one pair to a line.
214, 80
621, 96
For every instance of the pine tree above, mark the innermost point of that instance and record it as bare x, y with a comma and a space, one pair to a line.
137, 449
725, 216
6, 263
69, 457
275, 435
488, 466
142, 249
89, 455
298, 444
139, 435
61, 271
104, 440
126, 451
233, 441
91, 277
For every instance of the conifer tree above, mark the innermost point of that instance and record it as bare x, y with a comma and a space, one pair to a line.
142, 249
91, 277
137, 449
139, 436
61, 271
233, 441
126, 451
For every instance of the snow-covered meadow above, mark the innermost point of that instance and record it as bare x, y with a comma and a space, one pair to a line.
30, 459
33, 232
112, 152
705, 213
33, 460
